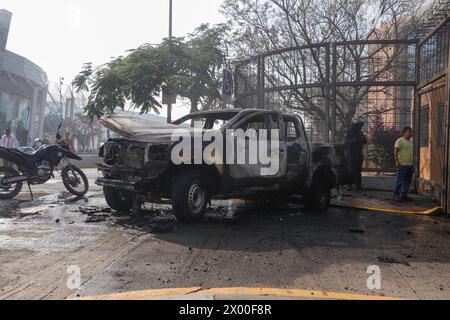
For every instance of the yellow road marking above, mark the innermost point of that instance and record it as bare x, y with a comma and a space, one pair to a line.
144, 294
425, 213
255, 292
294, 293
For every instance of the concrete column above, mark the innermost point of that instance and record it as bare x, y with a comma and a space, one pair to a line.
42, 103
72, 108
36, 126
34, 114
5, 21
67, 109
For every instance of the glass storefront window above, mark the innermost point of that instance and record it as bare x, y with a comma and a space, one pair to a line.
15, 112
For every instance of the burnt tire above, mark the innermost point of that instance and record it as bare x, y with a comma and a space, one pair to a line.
319, 196
189, 196
118, 200
8, 192
73, 177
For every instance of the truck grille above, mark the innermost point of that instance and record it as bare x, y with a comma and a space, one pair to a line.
124, 153
134, 157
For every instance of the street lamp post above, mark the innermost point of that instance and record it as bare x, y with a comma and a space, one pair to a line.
170, 19
169, 106
61, 83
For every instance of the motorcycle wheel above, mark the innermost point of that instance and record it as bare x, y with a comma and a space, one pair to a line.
75, 181
9, 191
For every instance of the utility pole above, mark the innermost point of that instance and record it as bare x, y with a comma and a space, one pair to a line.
60, 84
170, 19
61, 99
169, 106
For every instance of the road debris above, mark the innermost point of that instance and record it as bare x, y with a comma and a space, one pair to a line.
393, 261
358, 231
96, 214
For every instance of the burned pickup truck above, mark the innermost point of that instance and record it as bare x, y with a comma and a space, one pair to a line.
246, 154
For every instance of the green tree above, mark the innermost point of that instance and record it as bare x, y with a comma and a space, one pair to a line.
200, 64
83, 80
191, 66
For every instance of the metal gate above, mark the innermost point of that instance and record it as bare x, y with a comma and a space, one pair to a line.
431, 116
331, 84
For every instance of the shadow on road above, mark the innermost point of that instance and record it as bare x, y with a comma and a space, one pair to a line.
342, 233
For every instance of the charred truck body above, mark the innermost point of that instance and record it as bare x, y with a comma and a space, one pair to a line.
140, 167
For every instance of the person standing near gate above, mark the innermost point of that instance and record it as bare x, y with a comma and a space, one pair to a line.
354, 145
404, 160
9, 141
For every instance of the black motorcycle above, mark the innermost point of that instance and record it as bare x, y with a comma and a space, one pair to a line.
38, 167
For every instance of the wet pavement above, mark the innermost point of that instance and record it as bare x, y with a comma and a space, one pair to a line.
375, 200
238, 244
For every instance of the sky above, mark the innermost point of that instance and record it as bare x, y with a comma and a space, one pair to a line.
61, 35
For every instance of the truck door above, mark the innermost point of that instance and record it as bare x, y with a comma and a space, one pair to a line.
297, 149
250, 175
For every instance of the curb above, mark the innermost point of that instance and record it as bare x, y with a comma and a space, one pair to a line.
215, 293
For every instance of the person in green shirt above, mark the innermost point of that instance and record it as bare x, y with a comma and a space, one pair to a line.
404, 160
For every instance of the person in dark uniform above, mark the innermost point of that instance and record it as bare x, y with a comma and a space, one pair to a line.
354, 145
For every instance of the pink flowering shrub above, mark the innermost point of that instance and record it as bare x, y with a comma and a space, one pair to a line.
381, 143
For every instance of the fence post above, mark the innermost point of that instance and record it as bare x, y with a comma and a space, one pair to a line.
416, 116
236, 89
328, 92
261, 92
258, 82
334, 94
446, 182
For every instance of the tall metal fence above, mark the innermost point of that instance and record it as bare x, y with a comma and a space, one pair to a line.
331, 84
432, 114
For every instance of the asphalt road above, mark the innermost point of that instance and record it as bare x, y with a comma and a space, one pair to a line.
237, 245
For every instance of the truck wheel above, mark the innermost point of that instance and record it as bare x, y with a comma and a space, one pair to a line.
189, 196
318, 198
118, 200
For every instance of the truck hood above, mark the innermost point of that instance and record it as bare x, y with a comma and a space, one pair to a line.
141, 130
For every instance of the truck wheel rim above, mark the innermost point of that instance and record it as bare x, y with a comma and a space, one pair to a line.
196, 198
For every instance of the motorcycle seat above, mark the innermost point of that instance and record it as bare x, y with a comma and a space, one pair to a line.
23, 154
34, 154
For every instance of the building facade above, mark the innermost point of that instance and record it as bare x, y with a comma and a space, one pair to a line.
392, 62
23, 90
431, 113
